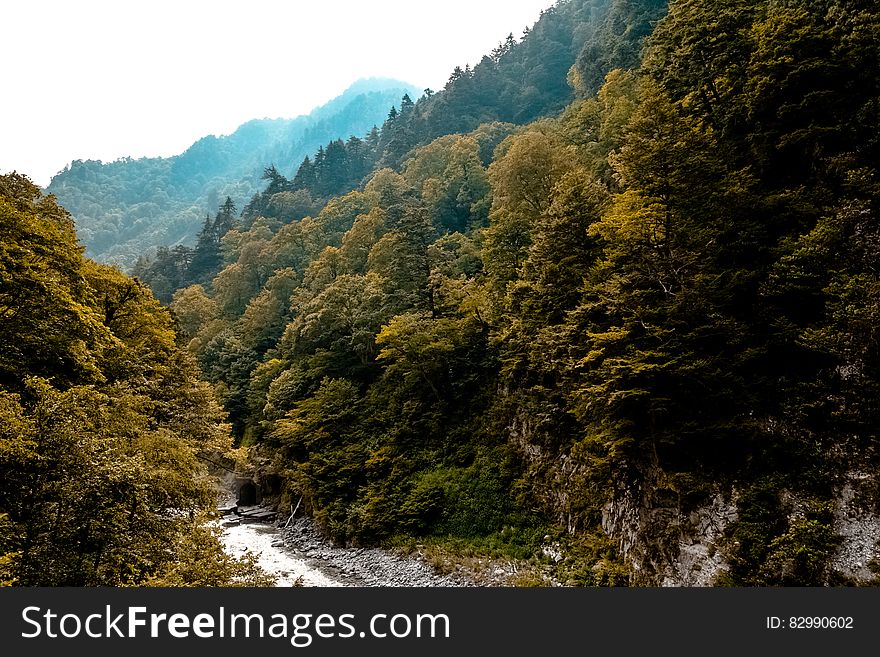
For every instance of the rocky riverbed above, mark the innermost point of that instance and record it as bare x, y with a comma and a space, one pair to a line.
361, 566
264, 543
299, 555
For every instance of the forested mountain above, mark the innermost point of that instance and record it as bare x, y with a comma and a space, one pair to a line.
102, 420
126, 208
518, 81
640, 324
606, 304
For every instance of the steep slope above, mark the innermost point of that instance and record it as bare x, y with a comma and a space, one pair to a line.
104, 424
635, 341
565, 54
517, 82
128, 207
359, 343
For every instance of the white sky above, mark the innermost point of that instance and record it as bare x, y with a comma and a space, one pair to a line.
103, 79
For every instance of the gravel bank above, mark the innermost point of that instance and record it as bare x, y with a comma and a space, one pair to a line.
360, 566
299, 554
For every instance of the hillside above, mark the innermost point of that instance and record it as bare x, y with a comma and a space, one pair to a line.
104, 423
600, 312
572, 45
126, 208
627, 325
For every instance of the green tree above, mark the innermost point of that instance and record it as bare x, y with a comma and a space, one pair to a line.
193, 309
401, 257
47, 322
100, 449
522, 178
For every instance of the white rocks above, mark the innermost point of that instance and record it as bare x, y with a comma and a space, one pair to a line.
663, 544
859, 530
260, 541
361, 566
698, 562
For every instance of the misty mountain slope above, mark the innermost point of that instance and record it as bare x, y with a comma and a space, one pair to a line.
564, 55
130, 206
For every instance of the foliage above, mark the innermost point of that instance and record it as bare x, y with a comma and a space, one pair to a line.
663, 289
127, 208
102, 418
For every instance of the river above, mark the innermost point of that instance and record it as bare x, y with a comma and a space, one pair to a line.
266, 544
299, 552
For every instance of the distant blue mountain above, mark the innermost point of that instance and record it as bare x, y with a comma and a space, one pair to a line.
128, 207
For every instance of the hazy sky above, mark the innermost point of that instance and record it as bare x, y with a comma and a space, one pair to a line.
102, 79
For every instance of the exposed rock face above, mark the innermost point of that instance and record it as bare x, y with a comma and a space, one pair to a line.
666, 545
558, 469
663, 543
666, 541
857, 523
698, 561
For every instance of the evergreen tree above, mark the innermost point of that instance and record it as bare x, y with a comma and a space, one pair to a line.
206, 256
225, 219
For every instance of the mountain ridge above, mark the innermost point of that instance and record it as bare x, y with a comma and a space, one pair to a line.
129, 206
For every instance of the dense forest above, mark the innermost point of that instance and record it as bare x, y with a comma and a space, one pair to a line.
609, 297
103, 420
129, 207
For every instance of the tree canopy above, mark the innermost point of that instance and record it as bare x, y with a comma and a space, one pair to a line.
521, 309
103, 420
